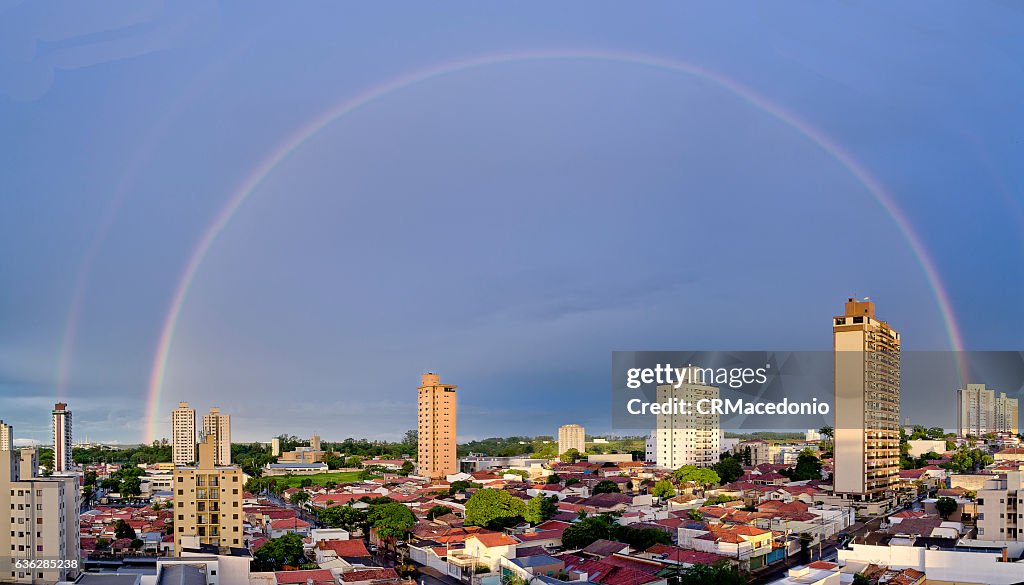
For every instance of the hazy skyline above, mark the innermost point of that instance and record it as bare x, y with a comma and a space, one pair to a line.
507, 222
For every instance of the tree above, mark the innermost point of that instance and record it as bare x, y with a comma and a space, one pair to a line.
539, 509
123, 530
458, 486
278, 552
436, 511
606, 486
334, 462
570, 456
130, 486
391, 520
703, 477
89, 478
720, 573
719, 499
728, 469
136, 544
494, 509
305, 482
584, 532
663, 489
808, 466
945, 506
572, 481
554, 478
407, 467
299, 498
861, 579
346, 517
354, 462
641, 538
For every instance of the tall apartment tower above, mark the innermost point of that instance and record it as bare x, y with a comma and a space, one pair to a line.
6, 436
436, 426
867, 403
61, 438
218, 426
1006, 411
207, 502
571, 437
314, 442
981, 411
183, 434
44, 514
687, 438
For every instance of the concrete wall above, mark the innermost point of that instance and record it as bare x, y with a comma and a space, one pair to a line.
939, 565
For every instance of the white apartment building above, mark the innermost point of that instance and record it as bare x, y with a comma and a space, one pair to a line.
571, 437
651, 448
687, 438
62, 462
183, 434
218, 426
44, 521
1001, 508
981, 411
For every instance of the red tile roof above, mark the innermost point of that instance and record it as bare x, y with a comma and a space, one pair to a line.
369, 575
492, 539
301, 577
344, 548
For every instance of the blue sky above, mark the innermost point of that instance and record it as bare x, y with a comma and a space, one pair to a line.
507, 225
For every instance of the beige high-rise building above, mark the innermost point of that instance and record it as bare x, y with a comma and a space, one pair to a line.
690, 437
6, 436
314, 442
981, 411
1001, 508
867, 403
571, 437
207, 502
218, 426
44, 519
436, 427
183, 434
62, 461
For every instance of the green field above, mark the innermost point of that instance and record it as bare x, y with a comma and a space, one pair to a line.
338, 477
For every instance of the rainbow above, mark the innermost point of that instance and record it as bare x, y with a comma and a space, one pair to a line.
297, 139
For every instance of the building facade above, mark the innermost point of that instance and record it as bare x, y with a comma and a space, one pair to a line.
218, 426
6, 436
571, 437
1006, 414
687, 438
981, 411
62, 461
183, 434
1001, 508
867, 403
207, 502
436, 422
44, 519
